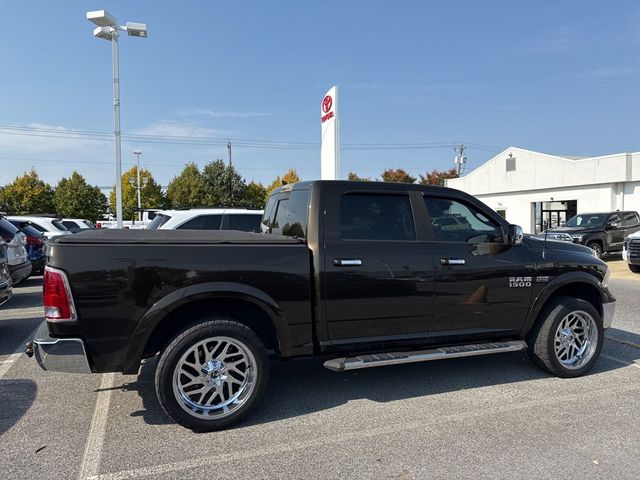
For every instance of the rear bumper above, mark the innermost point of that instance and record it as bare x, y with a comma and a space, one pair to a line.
60, 354
6, 291
20, 272
608, 312
37, 266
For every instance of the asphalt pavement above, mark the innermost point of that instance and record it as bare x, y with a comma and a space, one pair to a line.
486, 417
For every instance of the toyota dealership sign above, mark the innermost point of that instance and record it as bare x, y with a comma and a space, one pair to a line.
330, 147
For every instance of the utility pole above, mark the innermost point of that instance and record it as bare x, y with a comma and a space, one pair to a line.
460, 159
229, 148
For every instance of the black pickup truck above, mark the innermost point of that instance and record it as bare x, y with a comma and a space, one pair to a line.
362, 274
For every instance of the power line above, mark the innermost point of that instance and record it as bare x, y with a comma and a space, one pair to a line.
88, 135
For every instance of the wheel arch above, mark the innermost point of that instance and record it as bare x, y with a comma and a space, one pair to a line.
575, 285
597, 239
243, 303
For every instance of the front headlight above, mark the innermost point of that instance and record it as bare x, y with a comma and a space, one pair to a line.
577, 237
605, 280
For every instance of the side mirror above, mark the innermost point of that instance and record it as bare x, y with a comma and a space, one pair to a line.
515, 234
612, 225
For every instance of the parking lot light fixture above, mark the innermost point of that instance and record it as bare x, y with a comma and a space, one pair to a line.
107, 28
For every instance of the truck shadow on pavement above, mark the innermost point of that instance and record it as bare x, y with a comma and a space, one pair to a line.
16, 397
302, 387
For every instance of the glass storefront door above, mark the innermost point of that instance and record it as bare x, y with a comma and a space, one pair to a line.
553, 214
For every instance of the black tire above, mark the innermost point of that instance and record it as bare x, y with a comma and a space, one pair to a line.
542, 340
634, 268
207, 329
596, 247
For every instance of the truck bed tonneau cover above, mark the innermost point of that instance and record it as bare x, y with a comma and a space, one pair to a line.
112, 236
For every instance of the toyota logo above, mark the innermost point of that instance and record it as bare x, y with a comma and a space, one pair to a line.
327, 103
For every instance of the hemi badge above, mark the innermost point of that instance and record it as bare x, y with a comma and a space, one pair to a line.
542, 278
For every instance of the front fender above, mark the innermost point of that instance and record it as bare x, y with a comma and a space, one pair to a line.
564, 279
203, 291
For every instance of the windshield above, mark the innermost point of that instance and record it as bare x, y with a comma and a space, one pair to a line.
588, 220
159, 220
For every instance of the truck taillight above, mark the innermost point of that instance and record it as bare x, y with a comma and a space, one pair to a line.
56, 296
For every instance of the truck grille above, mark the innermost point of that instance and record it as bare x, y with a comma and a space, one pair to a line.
634, 248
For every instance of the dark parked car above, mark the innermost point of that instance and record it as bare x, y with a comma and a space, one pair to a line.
602, 232
36, 246
362, 274
5, 276
17, 257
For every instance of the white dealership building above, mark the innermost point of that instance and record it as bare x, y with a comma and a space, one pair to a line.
537, 190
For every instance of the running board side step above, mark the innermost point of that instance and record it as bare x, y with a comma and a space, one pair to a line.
395, 358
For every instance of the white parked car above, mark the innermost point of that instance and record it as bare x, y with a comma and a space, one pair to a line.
631, 251
208, 219
49, 226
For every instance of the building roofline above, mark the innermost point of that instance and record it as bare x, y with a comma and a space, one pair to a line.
559, 157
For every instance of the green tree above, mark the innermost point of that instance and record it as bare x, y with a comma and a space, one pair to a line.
224, 186
397, 175
353, 177
188, 190
290, 177
437, 177
75, 198
254, 196
151, 193
27, 195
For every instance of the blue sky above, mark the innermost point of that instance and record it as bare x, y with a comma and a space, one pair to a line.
558, 77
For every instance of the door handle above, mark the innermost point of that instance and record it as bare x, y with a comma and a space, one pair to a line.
347, 262
452, 261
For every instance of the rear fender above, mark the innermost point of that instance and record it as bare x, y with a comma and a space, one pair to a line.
204, 291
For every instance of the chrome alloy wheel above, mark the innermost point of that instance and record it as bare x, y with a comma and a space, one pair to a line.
576, 339
214, 377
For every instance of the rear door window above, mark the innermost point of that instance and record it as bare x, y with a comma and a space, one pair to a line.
69, 224
269, 213
291, 215
59, 225
202, 222
371, 216
36, 226
242, 222
158, 221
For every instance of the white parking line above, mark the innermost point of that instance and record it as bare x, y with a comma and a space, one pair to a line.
623, 342
620, 361
93, 450
8, 362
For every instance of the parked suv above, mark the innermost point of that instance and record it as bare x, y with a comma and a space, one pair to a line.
17, 257
207, 219
49, 226
602, 232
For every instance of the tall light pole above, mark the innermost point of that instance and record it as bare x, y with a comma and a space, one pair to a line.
137, 153
107, 28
